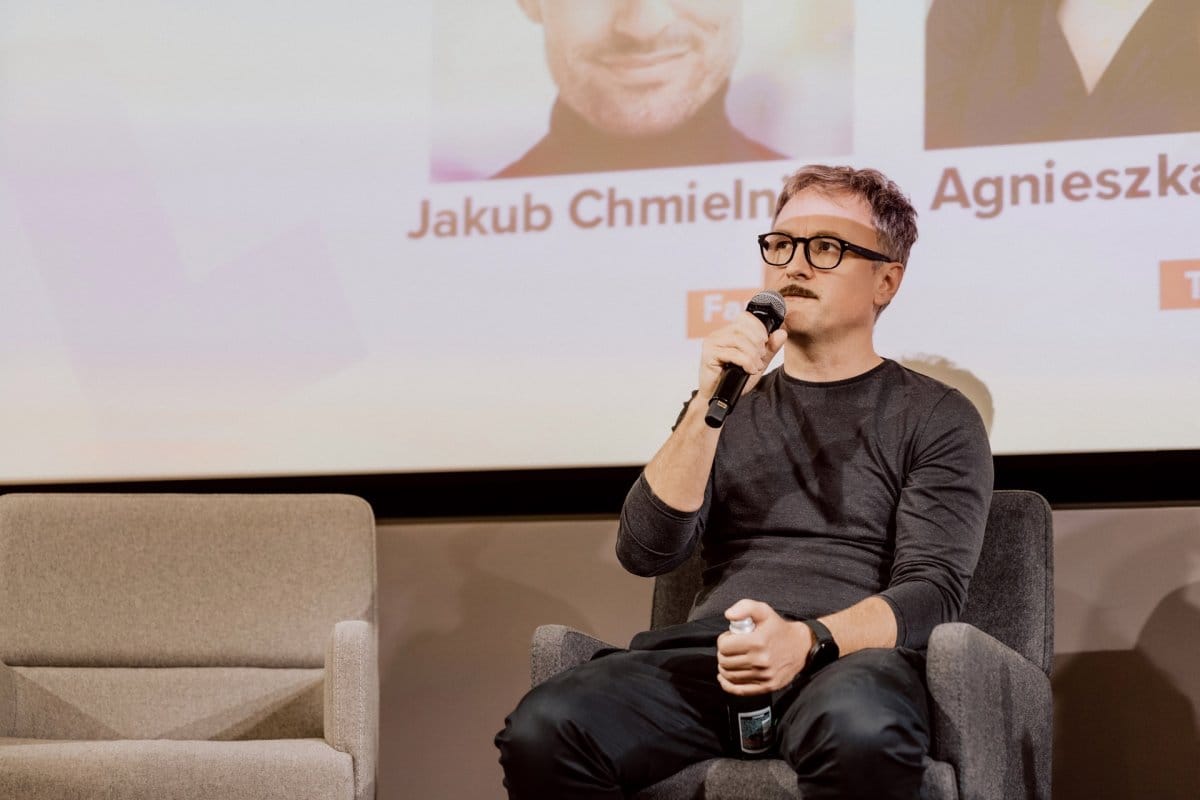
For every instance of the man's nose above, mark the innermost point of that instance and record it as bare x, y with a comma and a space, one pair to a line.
799, 267
642, 20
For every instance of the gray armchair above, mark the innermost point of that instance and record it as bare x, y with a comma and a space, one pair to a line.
988, 675
209, 647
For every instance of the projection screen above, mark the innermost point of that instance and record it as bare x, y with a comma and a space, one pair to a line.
261, 239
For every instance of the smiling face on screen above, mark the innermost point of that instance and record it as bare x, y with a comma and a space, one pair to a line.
638, 67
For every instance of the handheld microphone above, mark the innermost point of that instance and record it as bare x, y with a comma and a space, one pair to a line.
770, 309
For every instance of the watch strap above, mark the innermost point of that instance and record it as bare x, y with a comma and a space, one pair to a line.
824, 650
820, 632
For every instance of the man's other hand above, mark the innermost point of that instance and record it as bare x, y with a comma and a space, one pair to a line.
766, 659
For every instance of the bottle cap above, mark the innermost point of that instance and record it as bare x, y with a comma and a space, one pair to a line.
743, 625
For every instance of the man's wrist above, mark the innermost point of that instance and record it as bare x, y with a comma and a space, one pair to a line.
802, 639
698, 404
824, 650
693, 415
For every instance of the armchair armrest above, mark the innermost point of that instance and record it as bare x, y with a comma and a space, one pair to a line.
8, 700
556, 648
352, 700
987, 699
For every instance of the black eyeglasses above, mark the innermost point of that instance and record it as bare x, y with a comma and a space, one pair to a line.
823, 252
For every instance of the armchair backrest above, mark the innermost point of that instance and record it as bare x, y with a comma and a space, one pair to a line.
138, 616
179, 580
1011, 596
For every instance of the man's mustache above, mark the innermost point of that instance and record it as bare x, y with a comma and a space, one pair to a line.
797, 291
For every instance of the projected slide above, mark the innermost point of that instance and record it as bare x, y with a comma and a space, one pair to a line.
387, 237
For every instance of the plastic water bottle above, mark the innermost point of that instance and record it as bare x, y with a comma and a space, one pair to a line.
750, 719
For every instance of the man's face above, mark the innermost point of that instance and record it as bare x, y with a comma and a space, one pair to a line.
638, 67
829, 304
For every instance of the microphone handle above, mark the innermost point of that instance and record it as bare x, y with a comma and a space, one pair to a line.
729, 389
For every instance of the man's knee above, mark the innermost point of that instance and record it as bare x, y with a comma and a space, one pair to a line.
858, 734
862, 731
558, 742
544, 718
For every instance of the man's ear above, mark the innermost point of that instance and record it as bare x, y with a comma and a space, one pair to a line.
887, 282
532, 9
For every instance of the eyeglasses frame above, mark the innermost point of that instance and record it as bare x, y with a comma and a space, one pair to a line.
797, 241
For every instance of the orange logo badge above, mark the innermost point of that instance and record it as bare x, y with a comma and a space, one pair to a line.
709, 309
1179, 284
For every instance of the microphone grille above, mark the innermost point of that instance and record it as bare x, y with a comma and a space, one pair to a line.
772, 302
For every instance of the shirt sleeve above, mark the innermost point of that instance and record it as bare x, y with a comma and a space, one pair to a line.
940, 520
654, 538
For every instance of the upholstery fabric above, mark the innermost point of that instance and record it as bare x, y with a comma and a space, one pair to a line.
298, 769
727, 777
767, 780
180, 580
557, 647
174, 646
351, 700
675, 592
938, 782
992, 704
174, 703
983, 692
8, 700
1012, 593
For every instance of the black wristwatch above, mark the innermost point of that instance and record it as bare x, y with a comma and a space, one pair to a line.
824, 650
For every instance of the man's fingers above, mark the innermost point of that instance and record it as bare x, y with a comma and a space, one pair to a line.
731, 644
735, 649
745, 670
754, 659
756, 610
744, 343
742, 689
740, 610
746, 334
723, 355
755, 340
729, 686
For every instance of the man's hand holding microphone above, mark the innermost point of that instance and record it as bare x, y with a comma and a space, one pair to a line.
733, 358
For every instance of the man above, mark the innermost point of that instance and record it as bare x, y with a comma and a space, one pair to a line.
641, 84
842, 488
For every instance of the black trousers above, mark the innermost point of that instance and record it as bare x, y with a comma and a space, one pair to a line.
630, 718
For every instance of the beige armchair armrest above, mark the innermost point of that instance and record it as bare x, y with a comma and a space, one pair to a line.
8, 700
352, 700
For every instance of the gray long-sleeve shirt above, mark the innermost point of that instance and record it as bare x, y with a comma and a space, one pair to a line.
823, 494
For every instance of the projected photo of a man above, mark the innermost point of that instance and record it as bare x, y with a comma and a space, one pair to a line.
641, 84
1003, 72
571, 86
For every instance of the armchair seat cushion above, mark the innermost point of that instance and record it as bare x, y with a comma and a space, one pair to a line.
771, 779
730, 778
157, 769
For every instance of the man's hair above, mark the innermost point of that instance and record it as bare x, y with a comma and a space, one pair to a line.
894, 216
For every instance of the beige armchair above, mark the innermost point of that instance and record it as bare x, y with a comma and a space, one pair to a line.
187, 646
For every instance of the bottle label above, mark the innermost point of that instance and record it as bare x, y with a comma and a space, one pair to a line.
756, 730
